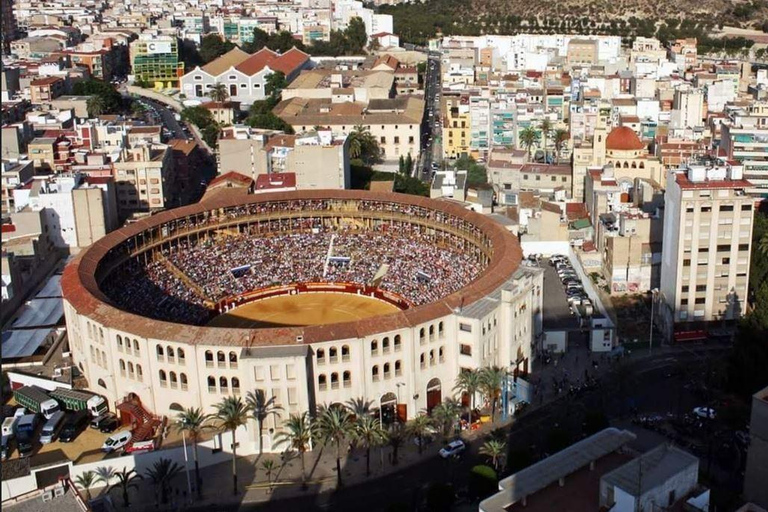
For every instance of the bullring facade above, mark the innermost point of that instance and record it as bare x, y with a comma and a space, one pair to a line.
405, 361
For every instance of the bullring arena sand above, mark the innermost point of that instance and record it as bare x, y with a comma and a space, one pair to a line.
303, 309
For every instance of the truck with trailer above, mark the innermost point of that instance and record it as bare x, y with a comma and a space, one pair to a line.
78, 400
36, 400
25, 434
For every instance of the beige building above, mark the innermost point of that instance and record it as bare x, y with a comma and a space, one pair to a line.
41, 152
582, 52
707, 243
342, 86
396, 123
46, 89
317, 159
79, 104
145, 178
14, 174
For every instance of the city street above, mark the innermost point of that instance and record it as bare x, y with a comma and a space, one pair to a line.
430, 142
641, 383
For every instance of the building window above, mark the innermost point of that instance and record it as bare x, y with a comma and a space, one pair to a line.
465, 350
398, 343
398, 368
221, 359
174, 381
180, 355
386, 370
139, 373
700, 300
422, 335
332, 355
211, 384
441, 354
183, 380
345, 353
122, 367
135, 345
163, 379
375, 372
320, 356
322, 383
334, 380
119, 343
235, 385
159, 353
208, 359
440, 331
347, 378
223, 384
465, 327
171, 354
726, 207
233, 360
422, 362
385, 345
374, 347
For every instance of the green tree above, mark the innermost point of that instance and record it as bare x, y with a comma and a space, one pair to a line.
560, 138
468, 381
482, 482
409, 185
126, 480
396, 436
529, 138
334, 426
96, 106
409, 164
112, 101
491, 379
401, 165
495, 450
269, 466
211, 134
368, 433
476, 174
105, 475
269, 121
363, 146
419, 427
232, 412
445, 415
297, 433
283, 41
359, 407
260, 40
262, 408
198, 116
546, 128
161, 473
212, 47
218, 92
274, 85
192, 421
86, 481
356, 36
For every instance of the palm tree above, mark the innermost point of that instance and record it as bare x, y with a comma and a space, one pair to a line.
368, 433
218, 92
763, 245
268, 465
419, 428
445, 414
192, 421
491, 379
105, 474
161, 473
298, 434
468, 381
363, 145
560, 137
359, 407
85, 481
232, 412
545, 127
125, 481
334, 425
95, 106
396, 436
529, 138
261, 409
494, 450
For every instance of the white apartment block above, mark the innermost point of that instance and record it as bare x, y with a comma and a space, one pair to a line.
707, 243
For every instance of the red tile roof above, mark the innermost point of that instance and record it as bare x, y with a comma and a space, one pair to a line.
276, 180
48, 80
623, 138
287, 63
231, 177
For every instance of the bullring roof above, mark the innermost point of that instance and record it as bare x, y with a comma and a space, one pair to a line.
81, 289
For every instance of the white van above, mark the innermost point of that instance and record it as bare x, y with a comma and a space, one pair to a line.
116, 441
52, 427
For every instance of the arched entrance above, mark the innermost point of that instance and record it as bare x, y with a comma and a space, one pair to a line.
388, 404
175, 406
434, 394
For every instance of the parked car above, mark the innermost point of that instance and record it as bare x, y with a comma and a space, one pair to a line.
116, 441
453, 448
109, 425
73, 425
705, 412
141, 447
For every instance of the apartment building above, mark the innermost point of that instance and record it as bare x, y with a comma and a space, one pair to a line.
457, 125
745, 139
14, 174
341, 86
44, 90
155, 60
708, 218
316, 159
145, 177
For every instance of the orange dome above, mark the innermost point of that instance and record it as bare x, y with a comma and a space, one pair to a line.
623, 138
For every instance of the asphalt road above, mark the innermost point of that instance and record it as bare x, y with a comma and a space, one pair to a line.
648, 388
430, 128
167, 117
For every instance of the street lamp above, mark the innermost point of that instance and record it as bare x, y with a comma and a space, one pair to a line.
650, 338
186, 462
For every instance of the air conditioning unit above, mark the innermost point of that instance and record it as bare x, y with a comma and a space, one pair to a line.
47, 496
58, 491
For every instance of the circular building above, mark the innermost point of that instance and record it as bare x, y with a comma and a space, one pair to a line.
314, 297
